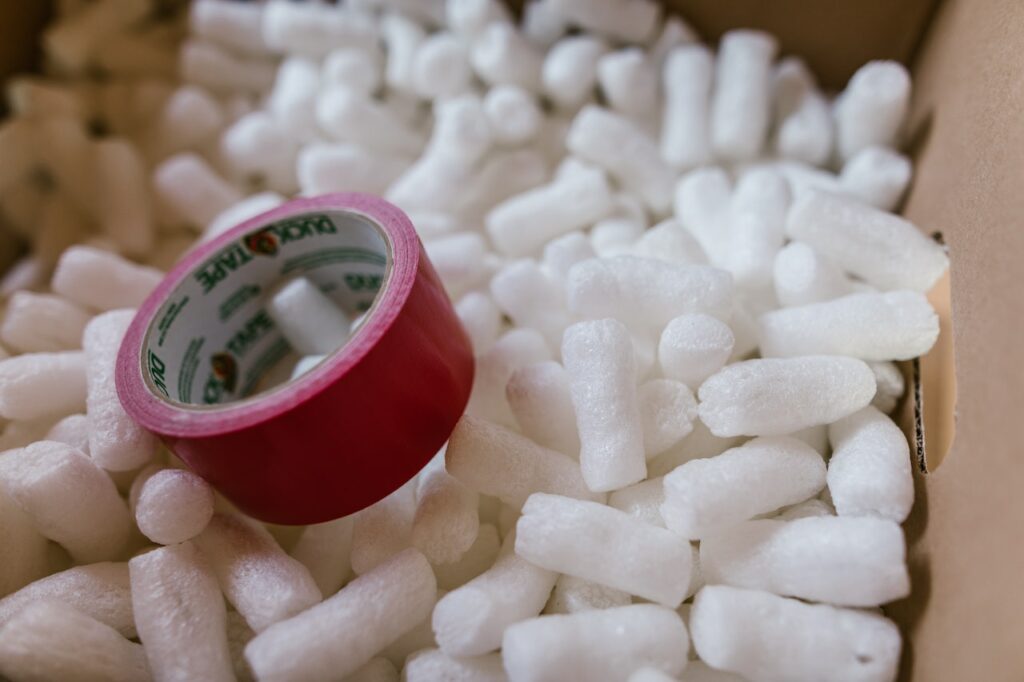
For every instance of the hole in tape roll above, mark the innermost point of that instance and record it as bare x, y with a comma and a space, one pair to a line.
225, 333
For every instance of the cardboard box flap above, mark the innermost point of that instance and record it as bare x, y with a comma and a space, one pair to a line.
965, 619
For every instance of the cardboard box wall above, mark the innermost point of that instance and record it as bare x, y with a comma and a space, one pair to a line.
965, 618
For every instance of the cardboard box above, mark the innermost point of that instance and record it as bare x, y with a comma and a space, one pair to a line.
965, 618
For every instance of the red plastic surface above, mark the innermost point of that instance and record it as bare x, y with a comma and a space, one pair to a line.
350, 432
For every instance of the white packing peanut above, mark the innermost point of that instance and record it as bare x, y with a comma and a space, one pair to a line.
70, 499
808, 508
896, 325
626, 152
42, 385
441, 67
513, 113
667, 411
598, 644
308, 319
532, 298
375, 670
675, 32
693, 347
572, 595
500, 55
42, 323
101, 591
542, 23
313, 29
460, 138
604, 545
475, 561
647, 292
430, 665
189, 118
743, 631
490, 459
250, 207
470, 620
741, 101
523, 224
641, 500
446, 522
353, 117
325, 550
31, 562
889, 380
871, 110
180, 615
569, 73
701, 205
402, 38
469, 17
848, 561
116, 443
420, 636
802, 276
629, 82
776, 396
705, 496
669, 242
237, 26
516, 348
481, 319
885, 250
324, 168
566, 251
263, 583
878, 176
344, 632
869, 473
349, 68
173, 506
598, 356
459, 260
258, 151
501, 175
50, 640
384, 529
803, 118
192, 189
685, 130
757, 225
615, 235
541, 401
72, 430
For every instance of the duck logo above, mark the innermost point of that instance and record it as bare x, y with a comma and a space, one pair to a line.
225, 369
263, 242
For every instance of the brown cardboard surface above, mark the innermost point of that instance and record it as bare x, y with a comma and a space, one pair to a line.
20, 23
965, 619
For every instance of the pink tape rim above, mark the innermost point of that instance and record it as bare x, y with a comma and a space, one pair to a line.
157, 414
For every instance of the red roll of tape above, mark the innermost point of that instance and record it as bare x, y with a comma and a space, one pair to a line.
342, 436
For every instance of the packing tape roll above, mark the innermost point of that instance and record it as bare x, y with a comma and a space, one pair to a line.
342, 436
